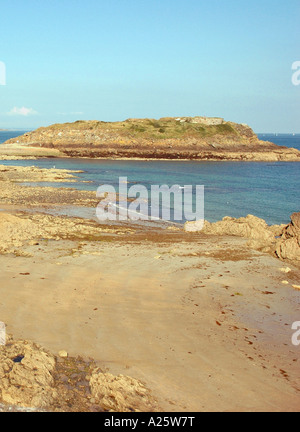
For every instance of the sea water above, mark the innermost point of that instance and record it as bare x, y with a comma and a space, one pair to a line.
269, 190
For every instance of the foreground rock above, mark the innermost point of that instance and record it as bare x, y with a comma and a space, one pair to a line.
281, 240
196, 138
288, 246
121, 393
33, 379
26, 375
261, 236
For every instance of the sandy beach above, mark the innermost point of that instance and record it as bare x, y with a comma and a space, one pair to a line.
202, 321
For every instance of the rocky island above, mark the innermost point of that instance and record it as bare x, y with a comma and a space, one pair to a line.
182, 138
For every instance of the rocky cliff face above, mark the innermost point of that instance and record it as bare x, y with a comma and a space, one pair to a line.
198, 138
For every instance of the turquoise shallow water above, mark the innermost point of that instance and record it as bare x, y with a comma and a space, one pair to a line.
267, 190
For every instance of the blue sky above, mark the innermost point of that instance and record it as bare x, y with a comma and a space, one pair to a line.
115, 59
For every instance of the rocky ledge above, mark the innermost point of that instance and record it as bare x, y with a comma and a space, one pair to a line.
34, 378
192, 138
283, 241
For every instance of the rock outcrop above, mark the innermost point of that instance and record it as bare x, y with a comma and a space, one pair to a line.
194, 138
120, 393
281, 240
261, 236
33, 379
26, 374
288, 246
17, 232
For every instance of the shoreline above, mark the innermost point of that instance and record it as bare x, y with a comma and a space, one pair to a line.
293, 155
147, 159
24, 189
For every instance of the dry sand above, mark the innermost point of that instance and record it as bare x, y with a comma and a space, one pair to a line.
202, 321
